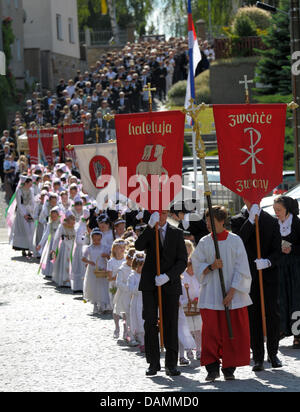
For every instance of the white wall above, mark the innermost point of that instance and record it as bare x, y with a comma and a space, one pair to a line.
67, 9
37, 30
40, 28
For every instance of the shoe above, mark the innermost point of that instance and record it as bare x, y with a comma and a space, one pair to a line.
228, 374
183, 362
172, 372
133, 343
212, 376
142, 348
198, 355
116, 333
258, 367
190, 354
275, 362
296, 343
152, 370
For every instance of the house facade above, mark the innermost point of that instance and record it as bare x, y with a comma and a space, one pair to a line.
52, 49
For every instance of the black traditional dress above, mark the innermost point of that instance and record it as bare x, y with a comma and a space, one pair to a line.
289, 272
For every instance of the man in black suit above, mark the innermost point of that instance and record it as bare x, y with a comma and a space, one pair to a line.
173, 262
270, 240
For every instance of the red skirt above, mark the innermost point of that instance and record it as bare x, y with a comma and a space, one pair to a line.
216, 344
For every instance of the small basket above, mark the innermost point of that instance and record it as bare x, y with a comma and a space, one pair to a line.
192, 308
190, 312
100, 273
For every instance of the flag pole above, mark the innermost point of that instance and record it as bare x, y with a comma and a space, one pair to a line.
257, 234
161, 328
192, 86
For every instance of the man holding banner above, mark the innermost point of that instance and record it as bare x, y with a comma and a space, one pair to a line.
251, 144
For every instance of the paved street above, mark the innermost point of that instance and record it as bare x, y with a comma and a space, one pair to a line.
50, 341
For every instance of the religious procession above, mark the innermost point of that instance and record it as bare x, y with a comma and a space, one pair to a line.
181, 277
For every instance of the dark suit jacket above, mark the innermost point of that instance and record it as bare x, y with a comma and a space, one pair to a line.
173, 259
270, 241
197, 227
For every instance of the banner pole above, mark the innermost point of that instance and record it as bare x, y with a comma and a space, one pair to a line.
261, 282
194, 112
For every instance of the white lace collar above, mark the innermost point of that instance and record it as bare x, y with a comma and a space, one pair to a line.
286, 226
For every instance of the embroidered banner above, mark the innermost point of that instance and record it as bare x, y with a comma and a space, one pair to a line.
72, 135
251, 147
150, 149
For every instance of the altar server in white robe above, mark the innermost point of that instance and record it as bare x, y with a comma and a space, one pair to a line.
216, 344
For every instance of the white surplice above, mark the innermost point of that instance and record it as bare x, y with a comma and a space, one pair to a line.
235, 269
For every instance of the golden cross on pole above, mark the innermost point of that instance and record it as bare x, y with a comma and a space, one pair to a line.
149, 90
246, 82
194, 111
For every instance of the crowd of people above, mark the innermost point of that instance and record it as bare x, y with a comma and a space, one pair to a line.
113, 85
109, 256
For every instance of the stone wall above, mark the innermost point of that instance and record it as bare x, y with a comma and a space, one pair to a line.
225, 76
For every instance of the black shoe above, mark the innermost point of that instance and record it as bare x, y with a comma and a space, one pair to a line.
275, 362
172, 372
212, 376
152, 370
258, 367
229, 374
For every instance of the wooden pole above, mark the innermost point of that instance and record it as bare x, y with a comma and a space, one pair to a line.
261, 282
161, 327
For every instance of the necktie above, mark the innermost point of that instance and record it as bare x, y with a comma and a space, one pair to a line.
161, 235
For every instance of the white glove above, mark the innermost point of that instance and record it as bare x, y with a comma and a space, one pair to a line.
186, 221
262, 264
255, 210
162, 279
140, 215
154, 218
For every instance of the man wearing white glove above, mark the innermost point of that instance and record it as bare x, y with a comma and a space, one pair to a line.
173, 261
270, 241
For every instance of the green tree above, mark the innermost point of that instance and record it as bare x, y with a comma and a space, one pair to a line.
127, 11
274, 67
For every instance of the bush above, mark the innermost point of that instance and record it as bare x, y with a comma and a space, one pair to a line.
176, 95
244, 27
260, 18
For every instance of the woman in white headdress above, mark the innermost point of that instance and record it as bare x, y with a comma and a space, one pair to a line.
62, 248
45, 246
39, 227
23, 225
78, 267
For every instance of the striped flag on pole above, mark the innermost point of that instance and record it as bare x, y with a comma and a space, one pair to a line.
194, 57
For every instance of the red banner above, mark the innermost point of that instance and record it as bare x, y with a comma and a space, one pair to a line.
46, 141
251, 146
73, 135
33, 144
150, 149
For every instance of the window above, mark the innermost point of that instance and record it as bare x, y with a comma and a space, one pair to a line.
59, 27
71, 31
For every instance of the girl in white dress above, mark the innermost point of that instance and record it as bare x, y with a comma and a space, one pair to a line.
45, 246
95, 290
117, 259
123, 296
190, 283
39, 227
23, 225
136, 303
78, 267
63, 244
107, 233
185, 337
77, 209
